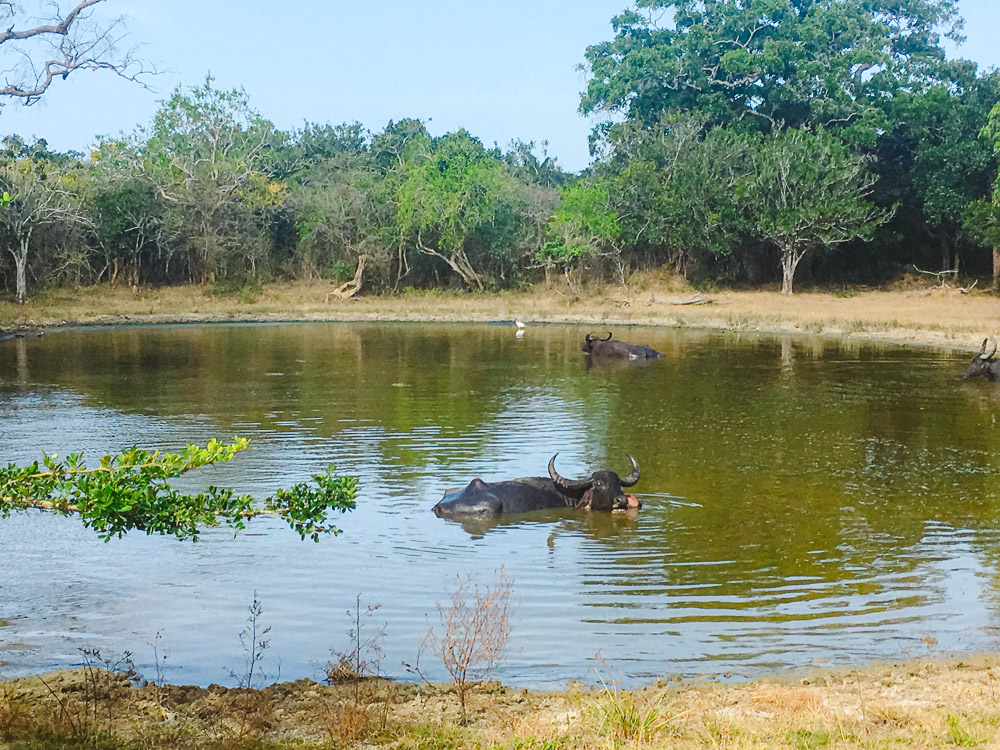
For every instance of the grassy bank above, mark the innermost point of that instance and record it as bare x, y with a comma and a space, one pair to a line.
918, 704
914, 311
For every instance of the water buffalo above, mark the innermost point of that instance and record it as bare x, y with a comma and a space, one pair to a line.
984, 364
601, 492
599, 347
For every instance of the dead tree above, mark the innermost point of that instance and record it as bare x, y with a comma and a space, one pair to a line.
352, 287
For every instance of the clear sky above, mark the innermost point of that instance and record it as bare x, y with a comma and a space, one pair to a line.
502, 70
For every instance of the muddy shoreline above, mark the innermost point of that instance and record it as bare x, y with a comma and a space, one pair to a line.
915, 315
920, 703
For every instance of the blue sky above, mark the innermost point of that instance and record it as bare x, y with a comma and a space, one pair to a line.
502, 70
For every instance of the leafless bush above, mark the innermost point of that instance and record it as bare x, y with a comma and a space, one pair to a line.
252, 709
107, 681
365, 707
474, 631
364, 658
254, 643
90, 709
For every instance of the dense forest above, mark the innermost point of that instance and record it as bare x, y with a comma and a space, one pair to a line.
741, 142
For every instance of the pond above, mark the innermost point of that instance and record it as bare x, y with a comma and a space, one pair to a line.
805, 501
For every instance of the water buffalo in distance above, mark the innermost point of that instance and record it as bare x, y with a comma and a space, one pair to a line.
602, 491
984, 364
598, 347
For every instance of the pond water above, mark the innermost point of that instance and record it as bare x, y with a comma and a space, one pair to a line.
806, 501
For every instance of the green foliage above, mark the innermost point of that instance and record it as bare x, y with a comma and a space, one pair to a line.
873, 74
777, 62
674, 188
982, 221
523, 164
981, 218
210, 155
806, 739
934, 164
43, 198
583, 223
211, 192
459, 204
342, 270
131, 491
805, 191
959, 737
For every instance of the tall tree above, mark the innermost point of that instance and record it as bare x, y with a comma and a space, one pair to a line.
673, 188
461, 206
982, 217
806, 192
933, 163
584, 224
39, 195
773, 63
208, 155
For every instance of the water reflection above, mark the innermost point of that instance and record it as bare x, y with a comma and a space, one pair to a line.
804, 500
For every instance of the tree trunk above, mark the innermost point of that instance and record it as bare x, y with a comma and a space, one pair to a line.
996, 267
789, 262
945, 254
457, 261
21, 271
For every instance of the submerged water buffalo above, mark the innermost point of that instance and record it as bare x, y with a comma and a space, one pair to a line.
984, 364
602, 491
598, 347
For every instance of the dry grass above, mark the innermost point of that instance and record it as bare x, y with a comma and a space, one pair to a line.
913, 313
925, 704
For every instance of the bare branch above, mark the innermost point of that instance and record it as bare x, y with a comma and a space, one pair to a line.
56, 49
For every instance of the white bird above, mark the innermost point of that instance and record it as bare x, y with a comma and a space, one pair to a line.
520, 329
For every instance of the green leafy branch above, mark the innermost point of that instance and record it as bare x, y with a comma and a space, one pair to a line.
131, 491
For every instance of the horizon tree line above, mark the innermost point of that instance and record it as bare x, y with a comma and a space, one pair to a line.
744, 142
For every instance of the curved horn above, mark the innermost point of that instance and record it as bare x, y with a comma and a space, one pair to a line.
634, 476
590, 337
990, 355
567, 484
608, 338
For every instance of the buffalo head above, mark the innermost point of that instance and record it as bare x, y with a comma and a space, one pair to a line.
984, 364
589, 339
602, 491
